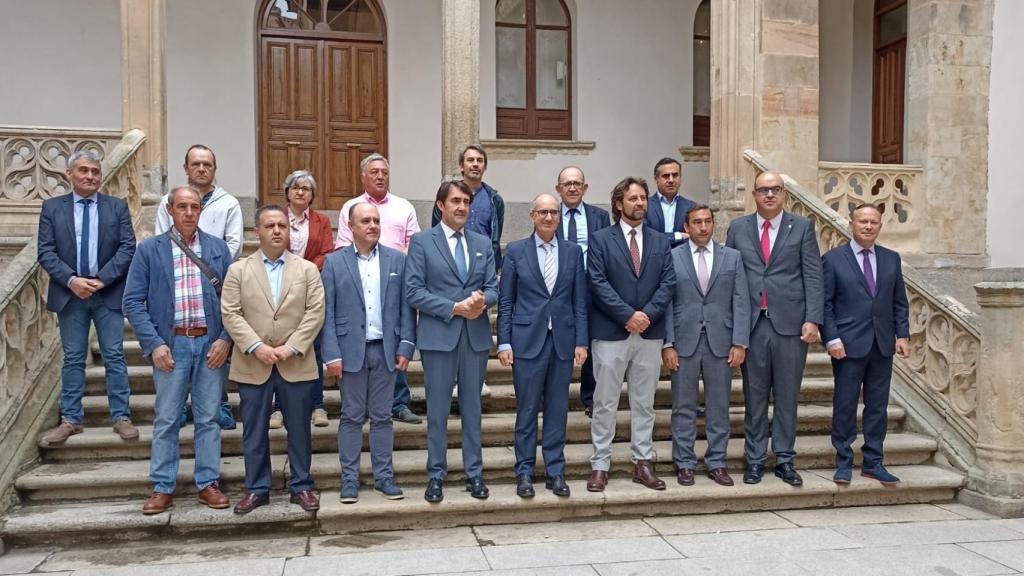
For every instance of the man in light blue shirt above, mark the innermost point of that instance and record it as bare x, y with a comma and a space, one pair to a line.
667, 210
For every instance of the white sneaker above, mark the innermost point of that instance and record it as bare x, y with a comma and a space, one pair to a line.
276, 420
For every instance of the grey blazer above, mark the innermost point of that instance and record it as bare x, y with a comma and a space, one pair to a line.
723, 313
344, 334
792, 275
432, 286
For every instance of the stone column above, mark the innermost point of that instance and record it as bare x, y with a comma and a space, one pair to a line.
143, 91
996, 481
460, 80
764, 95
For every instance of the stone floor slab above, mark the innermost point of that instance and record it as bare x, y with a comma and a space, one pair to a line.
921, 533
757, 542
1016, 524
390, 563
268, 567
868, 515
1009, 553
552, 571
570, 553
20, 561
394, 540
763, 565
199, 550
506, 534
937, 560
966, 511
708, 523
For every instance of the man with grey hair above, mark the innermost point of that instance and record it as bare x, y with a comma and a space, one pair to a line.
86, 243
397, 225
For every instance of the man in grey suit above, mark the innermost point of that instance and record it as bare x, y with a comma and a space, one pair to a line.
368, 338
450, 279
783, 265
709, 331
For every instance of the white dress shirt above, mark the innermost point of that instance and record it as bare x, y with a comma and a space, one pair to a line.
449, 235
626, 228
709, 256
773, 229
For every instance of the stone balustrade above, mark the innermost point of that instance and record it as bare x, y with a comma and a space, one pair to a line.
938, 383
891, 187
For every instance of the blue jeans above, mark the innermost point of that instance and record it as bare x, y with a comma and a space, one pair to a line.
190, 372
74, 322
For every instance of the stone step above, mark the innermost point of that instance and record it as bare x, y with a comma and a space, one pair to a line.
108, 521
68, 481
498, 430
501, 399
140, 376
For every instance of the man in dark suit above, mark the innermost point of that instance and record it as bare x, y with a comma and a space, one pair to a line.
866, 322
668, 208
542, 328
368, 337
175, 311
710, 330
578, 224
783, 267
86, 244
631, 284
450, 279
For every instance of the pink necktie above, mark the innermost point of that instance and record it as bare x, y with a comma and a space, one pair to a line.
702, 270
766, 252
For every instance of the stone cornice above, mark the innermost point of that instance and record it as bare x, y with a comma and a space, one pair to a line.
528, 149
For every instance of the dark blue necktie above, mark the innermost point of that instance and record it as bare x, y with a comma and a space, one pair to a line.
84, 265
460, 258
572, 226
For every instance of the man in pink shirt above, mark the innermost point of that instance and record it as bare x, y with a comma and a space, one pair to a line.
397, 225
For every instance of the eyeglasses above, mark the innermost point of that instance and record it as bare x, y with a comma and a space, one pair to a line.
306, 189
766, 190
546, 213
572, 184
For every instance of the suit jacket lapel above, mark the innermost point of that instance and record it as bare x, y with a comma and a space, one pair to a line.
623, 244
291, 268
69, 217
471, 258
101, 225
645, 252
349, 258
785, 227
680, 215
533, 262
716, 264
851, 258
385, 265
257, 269
165, 251
564, 266
691, 271
442, 244
755, 236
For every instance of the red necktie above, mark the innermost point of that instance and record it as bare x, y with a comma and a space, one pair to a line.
634, 251
766, 252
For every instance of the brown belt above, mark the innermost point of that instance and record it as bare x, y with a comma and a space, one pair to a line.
190, 332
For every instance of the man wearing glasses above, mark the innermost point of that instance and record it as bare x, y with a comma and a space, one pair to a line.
783, 267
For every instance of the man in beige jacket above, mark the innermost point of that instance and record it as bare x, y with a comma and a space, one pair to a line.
273, 307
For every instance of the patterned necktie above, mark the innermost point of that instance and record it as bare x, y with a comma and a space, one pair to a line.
634, 252
84, 263
572, 226
549, 267
869, 273
766, 252
460, 258
702, 270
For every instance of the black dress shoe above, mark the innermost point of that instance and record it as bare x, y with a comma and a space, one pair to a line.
435, 490
753, 474
788, 473
589, 411
702, 411
557, 485
524, 486
477, 489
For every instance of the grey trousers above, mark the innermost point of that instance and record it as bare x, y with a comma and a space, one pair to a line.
717, 378
367, 394
773, 370
637, 362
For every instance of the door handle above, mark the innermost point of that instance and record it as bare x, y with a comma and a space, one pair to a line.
351, 145
292, 143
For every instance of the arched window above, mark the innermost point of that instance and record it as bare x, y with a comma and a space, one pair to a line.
350, 16
702, 75
534, 69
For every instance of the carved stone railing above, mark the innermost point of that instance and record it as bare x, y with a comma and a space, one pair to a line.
937, 383
33, 160
122, 170
891, 187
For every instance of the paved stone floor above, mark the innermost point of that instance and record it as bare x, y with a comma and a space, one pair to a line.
912, 540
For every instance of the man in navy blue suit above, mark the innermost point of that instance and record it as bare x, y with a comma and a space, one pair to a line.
668, 208
632, 280
86, 244
542, 328
866, 322
578, 224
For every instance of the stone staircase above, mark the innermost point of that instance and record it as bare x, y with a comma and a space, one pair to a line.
92, 488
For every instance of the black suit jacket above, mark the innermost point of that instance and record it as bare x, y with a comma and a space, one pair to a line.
616, 292
58, 248
852, 314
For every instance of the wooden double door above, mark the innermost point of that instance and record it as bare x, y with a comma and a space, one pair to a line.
323, 108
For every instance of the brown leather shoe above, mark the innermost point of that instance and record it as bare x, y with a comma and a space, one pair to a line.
251, 502
213, 497
125, 429
307, 499
684, 476
643, 473
157, 502
720, 476
598, 480
61, 433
